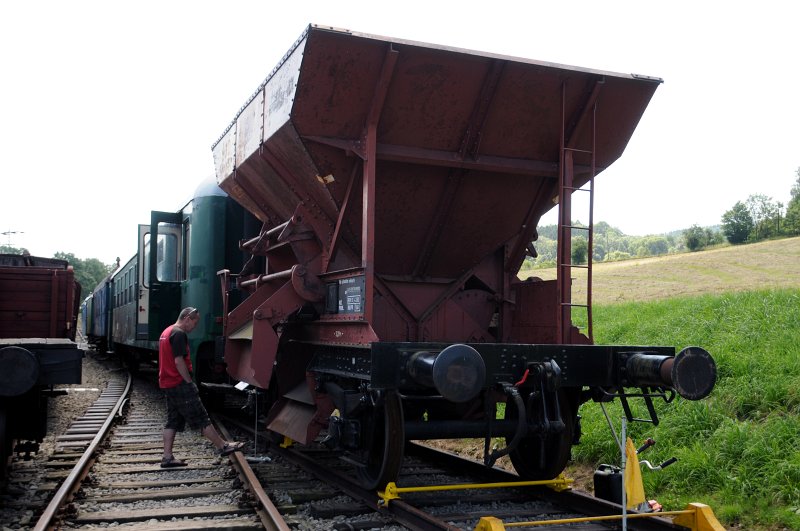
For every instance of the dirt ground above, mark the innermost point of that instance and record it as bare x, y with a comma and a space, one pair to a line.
473, 449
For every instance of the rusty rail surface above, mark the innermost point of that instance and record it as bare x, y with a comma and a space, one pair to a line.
269, 514
84, 464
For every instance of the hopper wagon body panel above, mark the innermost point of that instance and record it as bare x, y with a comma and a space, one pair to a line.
399, 185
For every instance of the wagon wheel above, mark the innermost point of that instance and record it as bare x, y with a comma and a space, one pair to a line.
383, 445
538, 458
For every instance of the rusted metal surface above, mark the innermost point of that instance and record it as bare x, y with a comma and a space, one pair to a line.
495, 120
38, 298
421, 168
38, 315
400, 185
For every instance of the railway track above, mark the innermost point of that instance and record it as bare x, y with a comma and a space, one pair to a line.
115, 479
436, 490
118, 480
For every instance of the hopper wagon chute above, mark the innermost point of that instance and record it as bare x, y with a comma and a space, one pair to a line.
400, 185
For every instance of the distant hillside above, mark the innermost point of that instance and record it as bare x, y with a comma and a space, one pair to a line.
611, 244
763, 265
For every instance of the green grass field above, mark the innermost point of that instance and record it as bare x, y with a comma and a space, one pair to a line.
738, 449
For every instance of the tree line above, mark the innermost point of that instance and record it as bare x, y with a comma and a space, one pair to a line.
760, 217
608, 244
757, 218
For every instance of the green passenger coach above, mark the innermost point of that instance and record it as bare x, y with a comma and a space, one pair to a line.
177, 258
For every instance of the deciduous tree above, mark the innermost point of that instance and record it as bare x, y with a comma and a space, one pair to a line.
695, 238
792, 220
737, 223
766, 214
88, 272
580, 250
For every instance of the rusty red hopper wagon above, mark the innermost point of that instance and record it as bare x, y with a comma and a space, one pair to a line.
400, 185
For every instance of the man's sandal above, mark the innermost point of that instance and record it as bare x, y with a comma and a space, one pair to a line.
230, 447
171, 462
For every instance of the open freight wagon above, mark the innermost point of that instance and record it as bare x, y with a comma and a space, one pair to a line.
39, 300
400, 185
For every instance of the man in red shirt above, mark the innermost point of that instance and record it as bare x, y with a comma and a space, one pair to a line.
183, 399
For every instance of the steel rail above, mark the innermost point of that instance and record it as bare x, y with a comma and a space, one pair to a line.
414, 518
270, 516
402, 512
82, 467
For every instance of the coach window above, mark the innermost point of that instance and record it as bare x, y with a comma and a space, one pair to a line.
165, 262
169, 248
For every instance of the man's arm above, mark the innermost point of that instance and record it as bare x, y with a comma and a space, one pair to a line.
180, 364
177, 340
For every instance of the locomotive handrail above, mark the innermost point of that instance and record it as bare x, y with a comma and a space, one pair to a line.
281, 275
276, 229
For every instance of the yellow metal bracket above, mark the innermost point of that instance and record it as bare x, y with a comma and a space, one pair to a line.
561, 483
490, 523
392, 491
389, 494
287, 442
696, 517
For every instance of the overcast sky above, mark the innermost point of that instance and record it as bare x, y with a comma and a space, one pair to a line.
108, 109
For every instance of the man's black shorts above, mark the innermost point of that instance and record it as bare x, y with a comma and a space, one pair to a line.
184, 406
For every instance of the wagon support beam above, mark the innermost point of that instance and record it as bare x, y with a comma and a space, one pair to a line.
370, 141
450, 159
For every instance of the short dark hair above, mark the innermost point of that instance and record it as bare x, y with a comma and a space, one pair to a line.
187, 312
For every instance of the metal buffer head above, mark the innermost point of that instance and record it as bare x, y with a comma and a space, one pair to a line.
692, 372
19, 371
457, 372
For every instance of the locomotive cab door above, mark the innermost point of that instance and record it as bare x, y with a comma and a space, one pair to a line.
162, 265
